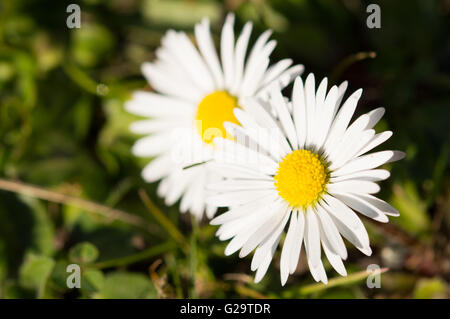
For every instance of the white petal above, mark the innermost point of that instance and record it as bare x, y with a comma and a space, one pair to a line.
179, 181
373, 175
375, 141
243, 210
349, 149
310, 102
243, 227
380, 204
198, 205
237, 171
227, 50
266, 245
368, 161
342, 119
257, 48
253, 79
240, 185
246, 135
334, 259
276, 70
313, 253
243, 155
375, 116
342, 89
209, 53
331, 233
350, 136
153, 126
151, 145
157, 105
282, 81
353, 186
297, 246
164, 82
255, 232
273, 226
236, 198
348, 223
319, 109
287, 248
157, 168
299, 111
363, 207
264, 119
327, 114
262, 269
340, 211
312, 238
193, 63
210, 211
255, 68
241, 49
279, 105
163, 187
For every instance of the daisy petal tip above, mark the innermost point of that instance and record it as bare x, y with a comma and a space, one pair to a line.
310, 77
243, 253
343, 85
229, 251
283, 280
298, 82
300, 69
214, 222
257, 279
398, 155
230, 18
367, 251
357, 94
145, 66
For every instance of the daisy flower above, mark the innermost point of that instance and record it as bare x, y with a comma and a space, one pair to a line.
195, 93
311, 172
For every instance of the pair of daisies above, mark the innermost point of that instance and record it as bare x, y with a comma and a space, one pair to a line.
223, 135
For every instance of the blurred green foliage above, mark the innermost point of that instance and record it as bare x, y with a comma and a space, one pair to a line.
63, 128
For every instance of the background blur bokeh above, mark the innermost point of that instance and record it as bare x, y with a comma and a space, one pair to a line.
64, 136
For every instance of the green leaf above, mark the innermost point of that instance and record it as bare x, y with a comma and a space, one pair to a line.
92, 281
180, 13
91, 44
125, 285
43, 231
34, 273
413, 215
430, 288
83, 253
59, 275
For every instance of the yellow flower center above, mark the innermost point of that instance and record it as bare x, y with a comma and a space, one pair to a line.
301, 178
215, 109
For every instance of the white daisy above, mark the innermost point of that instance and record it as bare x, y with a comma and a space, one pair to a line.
195, 93
311, 171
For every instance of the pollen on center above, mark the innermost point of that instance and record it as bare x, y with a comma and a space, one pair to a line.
215, 109
301, 178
